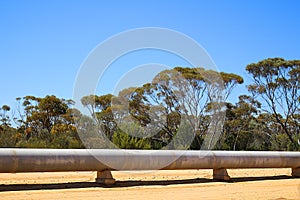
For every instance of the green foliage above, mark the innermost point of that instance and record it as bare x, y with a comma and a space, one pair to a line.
4, 117
277, 83
9, 136
174, 111
63, 140
56, 141
33, 143
125, 141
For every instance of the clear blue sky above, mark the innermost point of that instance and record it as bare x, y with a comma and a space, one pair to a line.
44, 42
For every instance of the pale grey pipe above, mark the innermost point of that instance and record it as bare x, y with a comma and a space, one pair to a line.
56, 160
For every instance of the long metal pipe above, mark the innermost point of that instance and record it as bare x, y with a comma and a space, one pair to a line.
56, 160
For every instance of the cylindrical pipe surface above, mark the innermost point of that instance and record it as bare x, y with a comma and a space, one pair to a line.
56, 160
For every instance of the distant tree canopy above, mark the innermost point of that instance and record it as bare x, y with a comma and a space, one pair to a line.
43, 122
176, 110
158, 107
277, 83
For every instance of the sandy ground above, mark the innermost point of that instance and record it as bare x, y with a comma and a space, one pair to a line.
185, 184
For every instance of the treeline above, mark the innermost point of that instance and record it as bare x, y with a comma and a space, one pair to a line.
182, 108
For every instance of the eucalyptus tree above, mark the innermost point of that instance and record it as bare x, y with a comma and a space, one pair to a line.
44, 115
4, 117
183, 96
277, 82
177, 101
